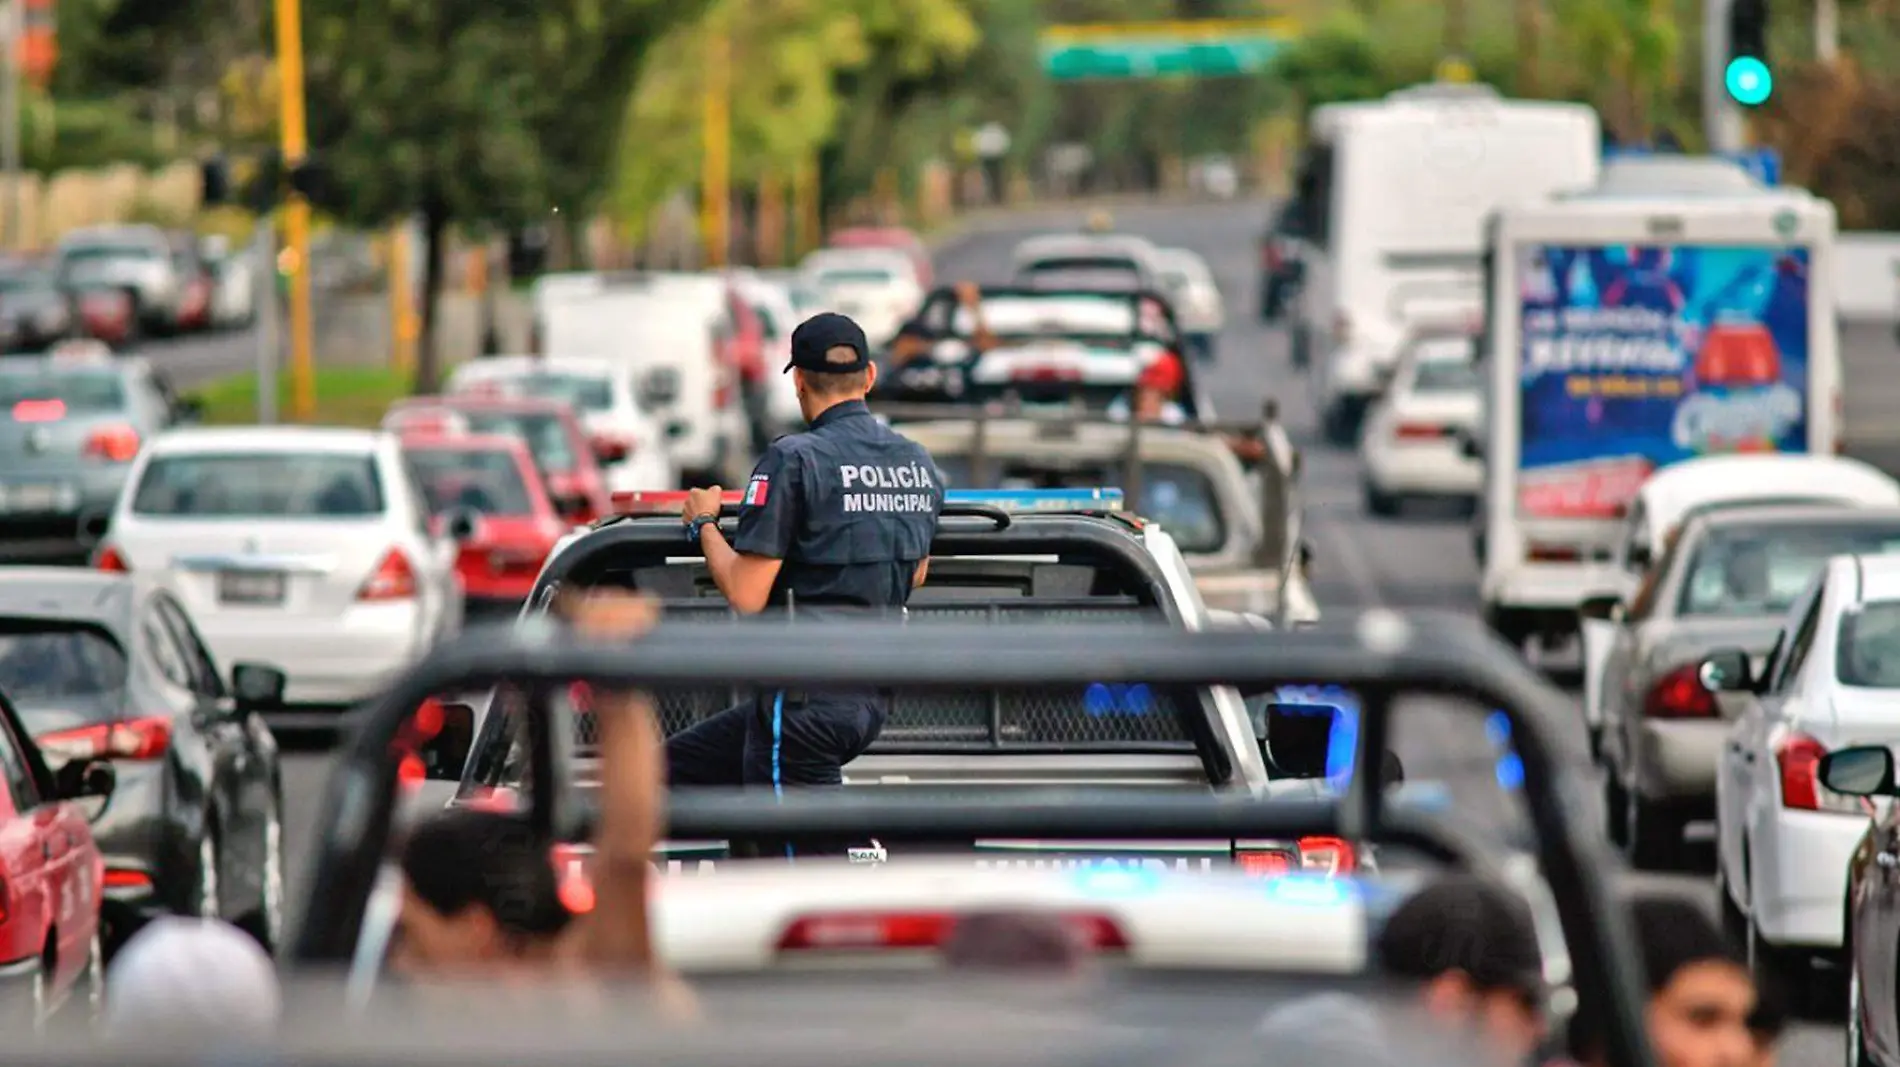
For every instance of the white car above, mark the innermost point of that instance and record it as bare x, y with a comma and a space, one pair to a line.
1414, 440
630, 444
776, 306
305, 547
1833, 681
876, 287
1198, 306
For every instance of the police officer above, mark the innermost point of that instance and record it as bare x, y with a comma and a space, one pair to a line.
835, 522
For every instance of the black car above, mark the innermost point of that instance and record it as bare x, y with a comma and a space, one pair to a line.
109, 666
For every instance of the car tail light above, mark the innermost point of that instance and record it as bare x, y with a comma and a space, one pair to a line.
114, 444
1546, 553
1418, 431
111, 559
393, 579
1680, 694
1266, 862
127, 879
849, 931
6, 894
1330, 856
1342, 327
133, 739
39, 411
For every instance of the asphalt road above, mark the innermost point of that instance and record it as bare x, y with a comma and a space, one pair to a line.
1413, 562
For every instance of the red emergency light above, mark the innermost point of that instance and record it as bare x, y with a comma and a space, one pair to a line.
661, 501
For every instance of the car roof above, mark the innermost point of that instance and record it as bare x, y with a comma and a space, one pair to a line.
1674, 491
338, 439
1796, 514
862, 254
464, 442
1877, 576
75, 593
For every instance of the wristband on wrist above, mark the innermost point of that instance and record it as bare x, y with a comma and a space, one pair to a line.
699, 523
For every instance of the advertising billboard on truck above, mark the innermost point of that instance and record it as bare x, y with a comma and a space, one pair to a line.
1635, 357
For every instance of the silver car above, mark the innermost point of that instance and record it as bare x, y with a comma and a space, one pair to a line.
1725, 580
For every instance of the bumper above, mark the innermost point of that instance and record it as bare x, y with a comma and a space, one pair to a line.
1547, 586
1798, 866
1677, 761
1430, 469
333, 660
57, 535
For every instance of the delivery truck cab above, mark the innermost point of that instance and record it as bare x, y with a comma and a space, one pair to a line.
1646, 322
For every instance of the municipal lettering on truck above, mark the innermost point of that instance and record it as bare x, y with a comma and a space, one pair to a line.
1627, 333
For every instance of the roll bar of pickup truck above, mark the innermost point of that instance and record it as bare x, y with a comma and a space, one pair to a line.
1279, 474
1379, 656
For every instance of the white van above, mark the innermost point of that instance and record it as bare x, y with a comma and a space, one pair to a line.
1395, 193
662, 329
1629, 330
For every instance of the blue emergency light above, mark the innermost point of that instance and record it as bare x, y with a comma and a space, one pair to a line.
1023, 501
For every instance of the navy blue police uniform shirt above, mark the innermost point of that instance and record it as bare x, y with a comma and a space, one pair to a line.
850, 505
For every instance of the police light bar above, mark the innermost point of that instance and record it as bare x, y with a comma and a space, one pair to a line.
1025, 501
661, 501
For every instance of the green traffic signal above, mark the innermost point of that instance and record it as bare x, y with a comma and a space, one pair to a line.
1749, 81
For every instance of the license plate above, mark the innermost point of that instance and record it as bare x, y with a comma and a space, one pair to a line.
250, 587
36, 497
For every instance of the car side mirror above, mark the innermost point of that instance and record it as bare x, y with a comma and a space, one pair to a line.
1726, 671
257, 687
462, 525
610, 449
1862, 771
1297, 739
1605, 608
444, 753
84, 779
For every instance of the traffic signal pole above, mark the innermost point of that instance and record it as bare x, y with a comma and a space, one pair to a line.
1722, 121
303, 400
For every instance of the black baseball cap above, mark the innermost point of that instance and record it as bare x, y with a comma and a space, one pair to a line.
814, 339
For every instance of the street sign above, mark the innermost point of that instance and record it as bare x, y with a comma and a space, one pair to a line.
1202, 48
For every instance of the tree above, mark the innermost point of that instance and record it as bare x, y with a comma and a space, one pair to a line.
468, 111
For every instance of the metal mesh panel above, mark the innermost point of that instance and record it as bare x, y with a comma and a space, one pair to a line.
978, 719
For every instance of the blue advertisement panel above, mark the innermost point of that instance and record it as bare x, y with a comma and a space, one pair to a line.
1635, 357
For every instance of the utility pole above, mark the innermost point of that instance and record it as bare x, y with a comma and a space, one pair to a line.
1827, 30
1722, 121
10, 116
716, 195
296, 148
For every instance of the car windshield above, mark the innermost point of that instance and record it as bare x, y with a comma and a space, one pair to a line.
46, 661
585, 392
101, 253
855, 276
1759, 569
1445, 368
26, 281
482, 480
1027, 316
544, 434
1179, 498
1083, 273
47, 395
260, 485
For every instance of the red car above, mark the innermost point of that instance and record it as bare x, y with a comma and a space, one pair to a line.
105, 313
52, 877
894, 237
561, 450
493, 478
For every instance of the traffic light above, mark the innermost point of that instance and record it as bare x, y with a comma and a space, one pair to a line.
1747, 77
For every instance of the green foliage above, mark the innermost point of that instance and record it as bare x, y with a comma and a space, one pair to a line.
66, 134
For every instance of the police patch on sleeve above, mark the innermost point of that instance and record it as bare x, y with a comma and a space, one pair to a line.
756, 490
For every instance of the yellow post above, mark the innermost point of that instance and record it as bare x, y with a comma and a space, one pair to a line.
303, 399
716, 194
403, 326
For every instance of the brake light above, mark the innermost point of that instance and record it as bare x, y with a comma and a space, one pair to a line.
394, 579
1046, 374
1264, 863
1418, 431
847, 931
39, 411
133, 739
114, 444
110, 559
1331, 856
123, 879
1680, 694
1538, 553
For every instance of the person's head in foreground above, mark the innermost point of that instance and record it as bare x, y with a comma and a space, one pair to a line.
200, 979
479, 889
831, 363
1472, 947
1701, 1007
